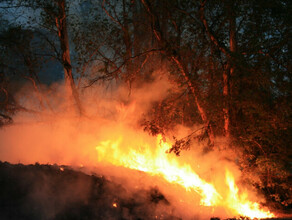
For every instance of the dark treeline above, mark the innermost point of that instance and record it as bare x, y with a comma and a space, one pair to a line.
231, 59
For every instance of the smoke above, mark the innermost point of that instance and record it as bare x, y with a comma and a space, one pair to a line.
57, 135
61, 136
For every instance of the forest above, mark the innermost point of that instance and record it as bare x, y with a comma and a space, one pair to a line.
228, 63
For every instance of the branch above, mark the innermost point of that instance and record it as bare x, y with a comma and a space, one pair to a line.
118, 69
210, 33
115, 20
86, 64
142, 65
255, 142
52, 46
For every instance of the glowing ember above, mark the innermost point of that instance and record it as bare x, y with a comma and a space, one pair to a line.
157, 162
115, 205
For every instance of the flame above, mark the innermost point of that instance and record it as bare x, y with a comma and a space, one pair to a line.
240, 203
157, 162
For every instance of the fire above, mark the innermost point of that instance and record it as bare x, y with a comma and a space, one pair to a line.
236, 202
158, 162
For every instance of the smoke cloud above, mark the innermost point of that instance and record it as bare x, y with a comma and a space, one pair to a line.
59, 136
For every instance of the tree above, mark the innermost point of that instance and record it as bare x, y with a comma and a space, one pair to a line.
53, 19
18, 65
66, 61
174, 56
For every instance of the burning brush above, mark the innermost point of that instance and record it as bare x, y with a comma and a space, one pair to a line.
157, 162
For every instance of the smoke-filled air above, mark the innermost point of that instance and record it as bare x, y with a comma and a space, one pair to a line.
109, 140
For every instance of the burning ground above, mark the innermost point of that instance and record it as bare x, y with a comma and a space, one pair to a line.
60, 192
145, 180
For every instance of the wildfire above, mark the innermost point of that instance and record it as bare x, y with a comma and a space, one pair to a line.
236, 202
157, 162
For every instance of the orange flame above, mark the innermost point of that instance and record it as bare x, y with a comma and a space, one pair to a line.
241, 203
157, 162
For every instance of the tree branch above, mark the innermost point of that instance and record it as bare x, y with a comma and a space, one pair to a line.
118, 69
210, 33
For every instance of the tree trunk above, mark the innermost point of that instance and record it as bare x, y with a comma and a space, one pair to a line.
198, 104
229, 70
61, 25
226, 105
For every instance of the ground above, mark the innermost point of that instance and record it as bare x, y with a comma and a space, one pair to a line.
36, 192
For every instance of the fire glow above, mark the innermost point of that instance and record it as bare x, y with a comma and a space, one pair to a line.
111, 136
158, 162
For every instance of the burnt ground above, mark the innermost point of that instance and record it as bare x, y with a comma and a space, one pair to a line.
36, 192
